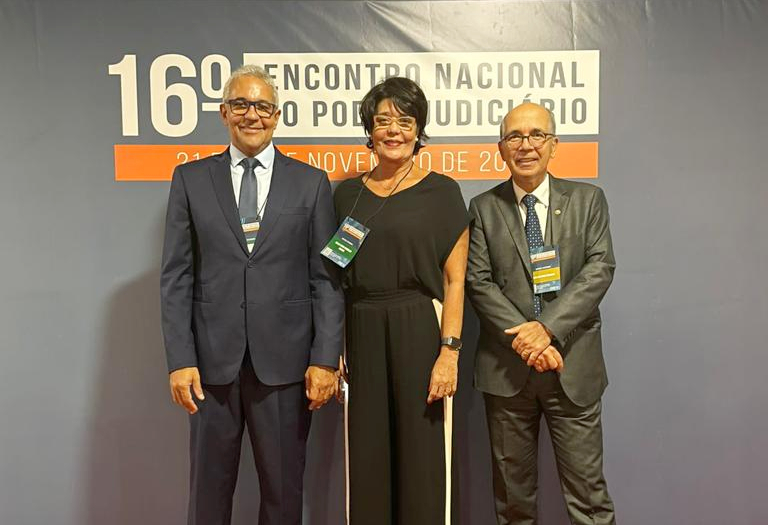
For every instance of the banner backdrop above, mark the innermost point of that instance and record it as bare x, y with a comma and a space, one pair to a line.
320, 94
660, 103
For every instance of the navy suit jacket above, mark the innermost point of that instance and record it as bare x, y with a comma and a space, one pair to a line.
283, 300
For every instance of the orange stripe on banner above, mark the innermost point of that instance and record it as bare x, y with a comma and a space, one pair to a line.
154, 162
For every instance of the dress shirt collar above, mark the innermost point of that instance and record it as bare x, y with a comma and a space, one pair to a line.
541, 192
266, 157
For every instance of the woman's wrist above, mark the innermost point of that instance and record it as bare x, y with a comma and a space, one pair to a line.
447, 351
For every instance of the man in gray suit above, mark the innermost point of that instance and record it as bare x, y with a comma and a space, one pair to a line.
252, 314
540, 353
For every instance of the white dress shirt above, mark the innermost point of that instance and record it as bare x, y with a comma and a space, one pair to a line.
263, 173
542, 203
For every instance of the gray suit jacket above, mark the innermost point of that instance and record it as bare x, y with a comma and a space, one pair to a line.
499, 285
283, 299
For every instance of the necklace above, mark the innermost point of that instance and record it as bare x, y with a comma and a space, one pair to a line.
391, 190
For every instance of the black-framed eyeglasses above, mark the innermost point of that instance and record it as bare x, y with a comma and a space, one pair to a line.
240, 106
405, 123
536, 139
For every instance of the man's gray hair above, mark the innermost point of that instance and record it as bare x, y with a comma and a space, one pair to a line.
552, 126
250, 70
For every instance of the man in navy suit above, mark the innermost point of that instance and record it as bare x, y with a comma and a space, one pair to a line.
251, 313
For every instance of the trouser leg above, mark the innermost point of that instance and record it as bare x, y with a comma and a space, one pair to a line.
513, 426
577, 440
369, 419
418, 437
278, 422
216, 436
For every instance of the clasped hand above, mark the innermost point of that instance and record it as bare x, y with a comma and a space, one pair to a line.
532, 343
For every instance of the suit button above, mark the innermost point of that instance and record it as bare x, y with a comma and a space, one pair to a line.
251, 265
242, 305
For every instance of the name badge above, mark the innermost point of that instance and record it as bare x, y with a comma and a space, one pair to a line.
251, 227
545, 265
345, 243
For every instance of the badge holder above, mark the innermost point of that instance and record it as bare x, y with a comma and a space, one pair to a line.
346, 242
545, 266
251, 227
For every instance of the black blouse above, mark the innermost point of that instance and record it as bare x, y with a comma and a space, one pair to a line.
410, 238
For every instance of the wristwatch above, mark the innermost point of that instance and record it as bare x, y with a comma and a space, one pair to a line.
454, 343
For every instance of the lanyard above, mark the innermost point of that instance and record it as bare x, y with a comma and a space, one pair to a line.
381, 206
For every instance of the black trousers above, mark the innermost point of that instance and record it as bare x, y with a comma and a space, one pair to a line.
397, 450
577, 439
278, 422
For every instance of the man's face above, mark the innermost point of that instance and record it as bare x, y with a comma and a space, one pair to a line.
249, 133
527, 163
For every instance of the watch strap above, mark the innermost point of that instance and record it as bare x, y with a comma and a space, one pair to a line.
454, 343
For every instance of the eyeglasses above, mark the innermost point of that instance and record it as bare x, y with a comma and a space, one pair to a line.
384, 121
535, 139
240, 106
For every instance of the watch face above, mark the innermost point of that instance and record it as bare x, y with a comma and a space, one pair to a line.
452, 342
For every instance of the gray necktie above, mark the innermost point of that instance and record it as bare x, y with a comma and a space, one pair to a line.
534, 238
248, 204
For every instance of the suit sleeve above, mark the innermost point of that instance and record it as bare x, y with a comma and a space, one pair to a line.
176, 279
580, 298
493, 308
324, 282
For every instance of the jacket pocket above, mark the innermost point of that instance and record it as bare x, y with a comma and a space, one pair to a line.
300, 210
296, 302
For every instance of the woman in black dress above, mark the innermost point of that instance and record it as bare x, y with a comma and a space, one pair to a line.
402, 348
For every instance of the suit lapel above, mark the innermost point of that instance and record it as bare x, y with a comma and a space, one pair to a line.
507, 204
279, 187
221, 177
558, 204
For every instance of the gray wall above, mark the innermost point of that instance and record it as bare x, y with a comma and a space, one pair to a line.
87, 432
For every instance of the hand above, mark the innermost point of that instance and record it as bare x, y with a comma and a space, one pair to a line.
321, 384
531, 339
445, 372
181, 380
550, 359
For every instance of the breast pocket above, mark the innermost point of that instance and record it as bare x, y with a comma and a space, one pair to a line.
292, 229
296, 210
572, 257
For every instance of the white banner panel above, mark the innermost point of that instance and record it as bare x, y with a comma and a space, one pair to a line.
468, 93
